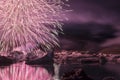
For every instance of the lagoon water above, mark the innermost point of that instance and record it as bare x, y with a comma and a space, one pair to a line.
95, 71
22, 71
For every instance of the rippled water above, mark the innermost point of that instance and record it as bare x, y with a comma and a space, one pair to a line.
21, 71
95, 71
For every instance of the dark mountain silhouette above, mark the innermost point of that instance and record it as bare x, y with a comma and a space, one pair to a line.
113, 49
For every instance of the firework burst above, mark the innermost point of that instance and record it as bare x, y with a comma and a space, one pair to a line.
21, 71
29, 21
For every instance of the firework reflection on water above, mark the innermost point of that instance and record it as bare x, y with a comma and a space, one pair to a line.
21, 71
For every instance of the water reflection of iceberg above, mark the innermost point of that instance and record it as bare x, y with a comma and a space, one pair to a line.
21, 71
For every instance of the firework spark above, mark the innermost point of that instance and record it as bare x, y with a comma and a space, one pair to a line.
21, 71
29, 21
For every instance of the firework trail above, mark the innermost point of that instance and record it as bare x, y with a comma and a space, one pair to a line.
29, 21
21, 71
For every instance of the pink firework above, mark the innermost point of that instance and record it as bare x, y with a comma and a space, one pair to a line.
20, 71
29, 21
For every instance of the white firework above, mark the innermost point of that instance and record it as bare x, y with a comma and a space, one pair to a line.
29, 21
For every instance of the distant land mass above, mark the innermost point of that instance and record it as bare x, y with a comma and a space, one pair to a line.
113, 49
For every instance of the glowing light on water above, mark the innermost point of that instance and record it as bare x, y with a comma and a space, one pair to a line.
29, 21
21, 71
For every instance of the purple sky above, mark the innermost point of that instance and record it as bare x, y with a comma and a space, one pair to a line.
92, 22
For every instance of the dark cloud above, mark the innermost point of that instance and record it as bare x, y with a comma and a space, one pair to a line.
92, 22
82, 36
89, 31
102, 11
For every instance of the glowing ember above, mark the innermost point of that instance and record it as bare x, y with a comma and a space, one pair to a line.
29, 21
22, 71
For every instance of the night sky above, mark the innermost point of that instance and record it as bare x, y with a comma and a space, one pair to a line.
92, 24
